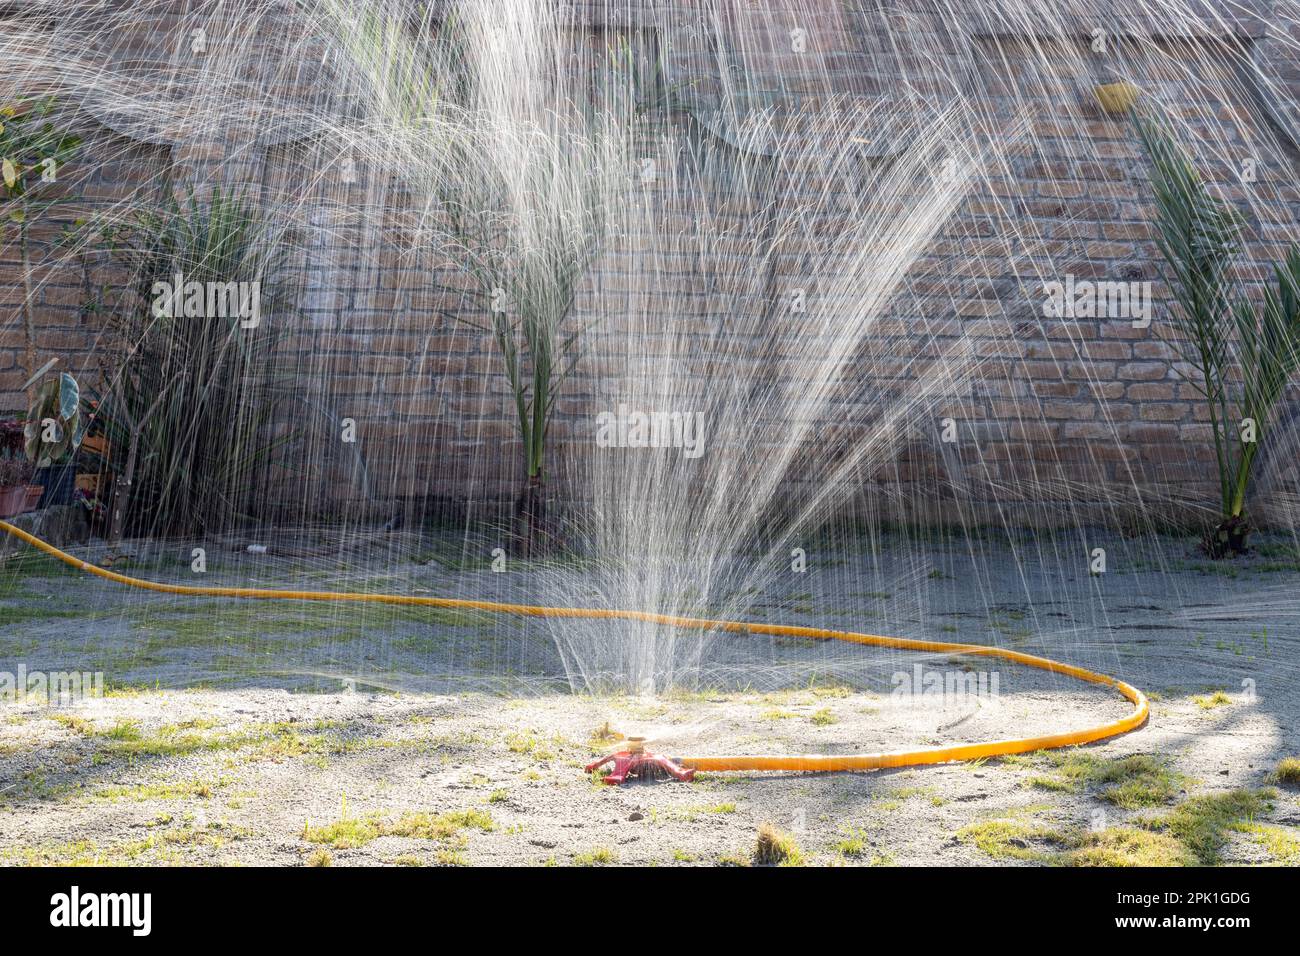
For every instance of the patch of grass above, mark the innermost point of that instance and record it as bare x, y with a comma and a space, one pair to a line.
440, 826
600, 856
1201, 823
1281, 843
891, 799
11, 614
1211, 701
529, 743
1125, 846
161, 846
348, 831
1033, 841
1013, 839
202, 789
126, 739
1288, 771
823, 718
498, 796
1010, 760
320, 857
1140, 780
853, 846
214, 835
285, 743
244, 628
78, 725
407, 859
681, 856
1273, 549
75, 853
36, 564
775, 847
122, 732
1191, 834
689, 814
275, 741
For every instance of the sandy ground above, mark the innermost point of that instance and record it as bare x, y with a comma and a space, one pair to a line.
235, 732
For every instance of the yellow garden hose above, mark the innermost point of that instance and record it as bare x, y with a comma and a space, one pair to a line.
815, 762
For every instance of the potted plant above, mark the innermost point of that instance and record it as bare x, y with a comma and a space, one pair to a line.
17, 494
51, 435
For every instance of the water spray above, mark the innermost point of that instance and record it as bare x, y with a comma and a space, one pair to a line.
635, 759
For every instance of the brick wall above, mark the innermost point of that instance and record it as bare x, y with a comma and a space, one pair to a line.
1088, 413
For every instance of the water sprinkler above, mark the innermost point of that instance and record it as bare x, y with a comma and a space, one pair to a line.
636, 761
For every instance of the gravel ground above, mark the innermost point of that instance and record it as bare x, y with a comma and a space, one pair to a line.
248, 733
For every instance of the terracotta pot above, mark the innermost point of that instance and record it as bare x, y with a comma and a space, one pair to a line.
13, 501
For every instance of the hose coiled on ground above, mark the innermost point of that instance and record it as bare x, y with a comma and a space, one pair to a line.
788, 762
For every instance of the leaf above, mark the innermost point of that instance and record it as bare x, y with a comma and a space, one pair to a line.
1199, 236
10, 173
69, 397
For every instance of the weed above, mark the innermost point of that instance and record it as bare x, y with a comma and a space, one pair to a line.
1288, 771
597, 857
775, 847
1211, 701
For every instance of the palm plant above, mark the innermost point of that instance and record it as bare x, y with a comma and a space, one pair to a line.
522, 190
1243, 356
530, 293
188, 401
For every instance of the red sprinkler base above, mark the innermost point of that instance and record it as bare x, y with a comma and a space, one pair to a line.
636, 761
